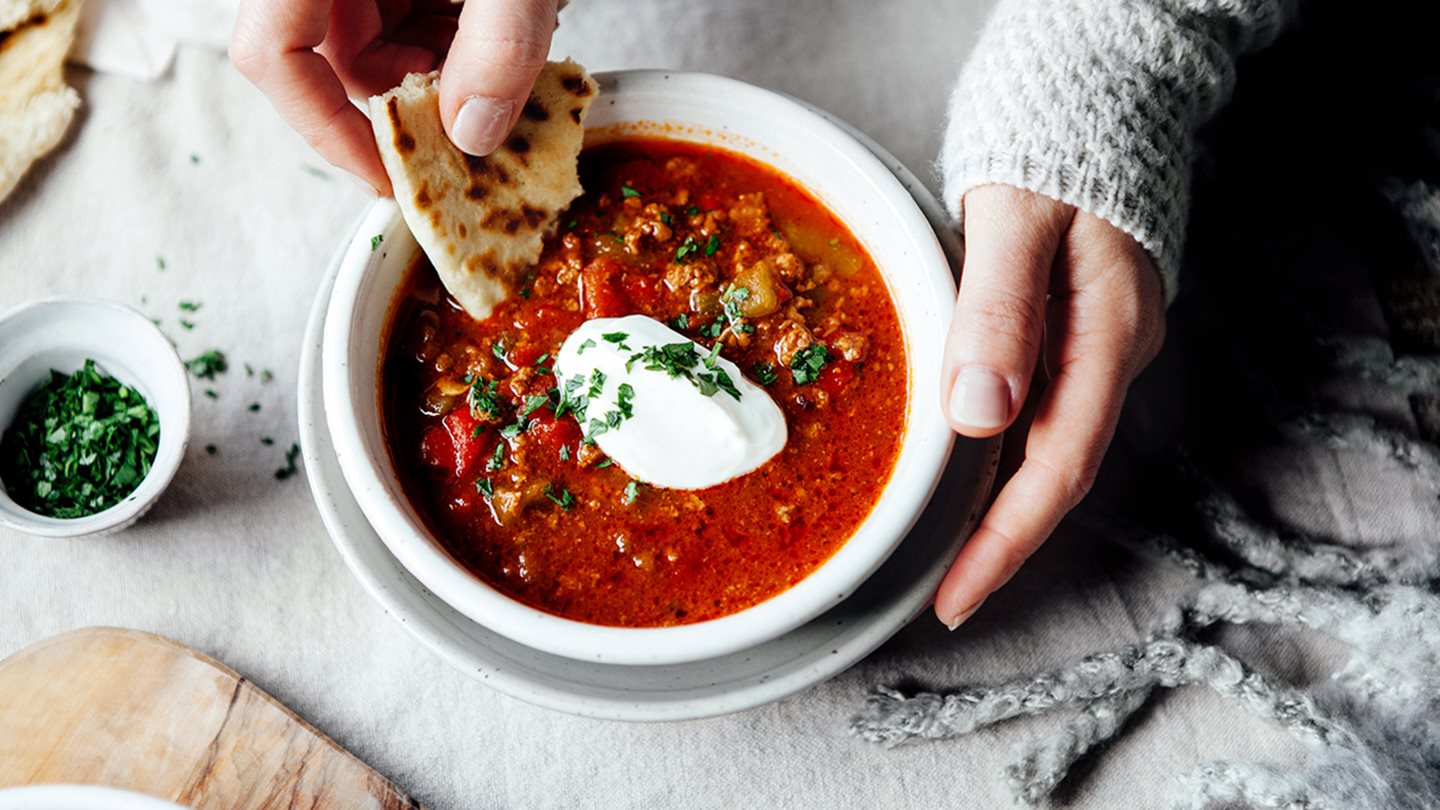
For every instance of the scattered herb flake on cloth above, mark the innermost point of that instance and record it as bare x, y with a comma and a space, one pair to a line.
207, 365
79, 445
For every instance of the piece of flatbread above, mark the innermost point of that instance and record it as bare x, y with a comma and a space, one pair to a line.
483, 221
35, 104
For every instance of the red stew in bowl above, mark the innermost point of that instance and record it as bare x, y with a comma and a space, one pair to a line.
675, 231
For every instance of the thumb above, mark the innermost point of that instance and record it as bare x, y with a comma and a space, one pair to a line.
1011, 237
498, 51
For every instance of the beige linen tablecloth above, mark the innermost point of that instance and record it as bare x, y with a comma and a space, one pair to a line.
190, 188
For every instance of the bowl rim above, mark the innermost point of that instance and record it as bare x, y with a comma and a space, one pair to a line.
174, 428
832, 581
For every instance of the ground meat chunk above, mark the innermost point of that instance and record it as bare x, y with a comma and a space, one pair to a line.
649, 224
697, 273
589, 455
527, 382
793, 337
851, 346
790, 267
750, 215
572, 255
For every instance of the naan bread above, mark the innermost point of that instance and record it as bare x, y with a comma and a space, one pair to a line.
14, 13
35, 104
483, 221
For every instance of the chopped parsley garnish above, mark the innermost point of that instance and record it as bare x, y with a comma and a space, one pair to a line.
680, 322
541, 359
624, 400
79, 445
190, 306
675, 359
731, 298
525, 293
618, 338
562, 497
498, 349
207, 365
680, 360
513, 430
290, 467
688, 247
375, 241
266, 375
619, 240
666, 218
249, 370
485, 488
210, 392
765, 373
564, 452
632, 491
532, 404
570, 401
570, 226
602, 465
807, 363
627, 192
597, 383
712, 329
160, 262
588, 344
713, 245
482, 399
188, 325
497, 458
692, 211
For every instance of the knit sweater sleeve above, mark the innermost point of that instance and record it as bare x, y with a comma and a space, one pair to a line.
1095, 103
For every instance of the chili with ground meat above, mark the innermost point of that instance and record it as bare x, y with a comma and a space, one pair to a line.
723, 249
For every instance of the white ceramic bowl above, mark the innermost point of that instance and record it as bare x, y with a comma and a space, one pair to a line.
79, 797
60, 334
773, 129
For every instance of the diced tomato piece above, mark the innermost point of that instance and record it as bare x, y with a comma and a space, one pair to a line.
707, 201
546, 317
600, 289
552, 433
436, 449
837, 376
467, 447
642, 290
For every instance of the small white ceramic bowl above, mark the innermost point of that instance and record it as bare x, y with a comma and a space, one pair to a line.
61, 334
845, 176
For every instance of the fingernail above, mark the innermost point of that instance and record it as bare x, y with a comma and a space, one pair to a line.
481, 124
979, 399
964, 615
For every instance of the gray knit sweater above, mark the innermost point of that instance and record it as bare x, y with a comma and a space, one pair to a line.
1096, 102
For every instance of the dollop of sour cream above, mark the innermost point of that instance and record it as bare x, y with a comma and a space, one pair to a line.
667, 410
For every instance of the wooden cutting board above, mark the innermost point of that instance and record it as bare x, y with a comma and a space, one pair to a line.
133, 710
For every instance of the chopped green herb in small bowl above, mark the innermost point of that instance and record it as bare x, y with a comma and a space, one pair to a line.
94, 416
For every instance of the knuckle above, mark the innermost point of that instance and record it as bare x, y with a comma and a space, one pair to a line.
1010, 317
520, 51
1073, 481
248, 52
